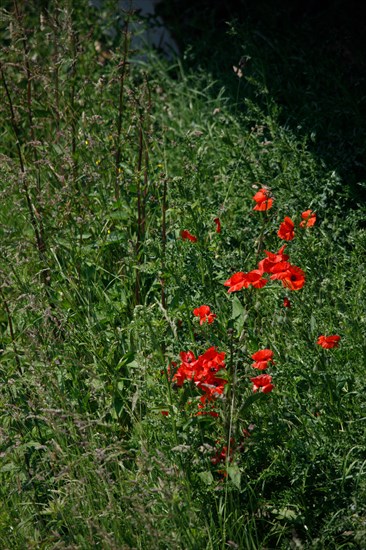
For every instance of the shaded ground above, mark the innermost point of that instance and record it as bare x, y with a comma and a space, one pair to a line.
309, 56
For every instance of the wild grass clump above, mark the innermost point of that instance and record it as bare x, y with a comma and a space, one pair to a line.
142, 404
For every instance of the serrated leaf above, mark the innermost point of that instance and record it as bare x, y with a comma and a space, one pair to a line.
286, 513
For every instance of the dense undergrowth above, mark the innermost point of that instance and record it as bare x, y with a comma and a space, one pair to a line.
106, 158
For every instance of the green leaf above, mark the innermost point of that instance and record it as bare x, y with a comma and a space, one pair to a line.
234, 474
238, 315
238, 309
251, 399
313, 324
286, 513
206, 477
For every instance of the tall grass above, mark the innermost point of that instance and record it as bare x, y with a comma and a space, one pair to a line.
106, 158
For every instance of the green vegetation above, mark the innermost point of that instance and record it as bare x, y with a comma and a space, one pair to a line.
106, 157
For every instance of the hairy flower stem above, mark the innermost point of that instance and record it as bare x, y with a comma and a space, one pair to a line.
29, 93
163, 248
56, 77
122, 66
11, 330
39, 210
142, 187
230, 397
72, 101
33, 212
163, 240
140, 223
265, 221
231, 390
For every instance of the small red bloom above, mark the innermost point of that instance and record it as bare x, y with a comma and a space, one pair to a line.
205, 315
236, 281
292, 277
187, 356
243, 280
262, 358
218, 225
262, 383
272, 259
203, 371
309, 219
214, 414
286, 302
165, 413
255, 278
295, 278
186, 235
328, 342
263, 200
286, 230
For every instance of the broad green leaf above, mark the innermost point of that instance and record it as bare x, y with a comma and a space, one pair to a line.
206, 477
234, 474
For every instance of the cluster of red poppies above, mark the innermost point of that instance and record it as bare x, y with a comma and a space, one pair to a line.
204, 373
277, 266
264, 201
286, 231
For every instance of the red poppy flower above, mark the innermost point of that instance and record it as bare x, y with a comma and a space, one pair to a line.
165, 413
295, 278
211, 413
203, 371
263, 200
272, 259
244, 280
280, 271
218, 225
205, 315
286, 230
255, 278
328, 342
292, 277
262, 383
286, 302
309, 219
236, 281
186, 235
187, 356
262, 358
